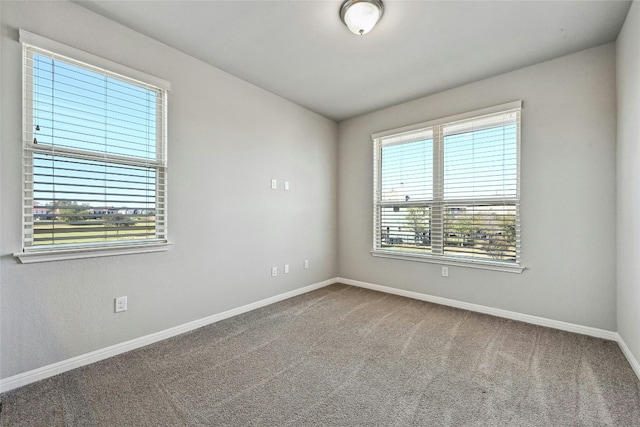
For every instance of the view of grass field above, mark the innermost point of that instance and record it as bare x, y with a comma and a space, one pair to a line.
61, 232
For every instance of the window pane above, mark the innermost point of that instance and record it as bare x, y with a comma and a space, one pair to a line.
80, 109
481, 163
484, 232
80, 201
406, 227
407, 171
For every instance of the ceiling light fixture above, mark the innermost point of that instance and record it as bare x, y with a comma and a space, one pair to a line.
360, 16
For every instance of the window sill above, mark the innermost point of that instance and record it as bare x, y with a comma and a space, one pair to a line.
434, 259
78, 253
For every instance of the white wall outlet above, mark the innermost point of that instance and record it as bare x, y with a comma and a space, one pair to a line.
121, 304
274, 183
274, 271
286, 269
286, 185
445, 271
306, 264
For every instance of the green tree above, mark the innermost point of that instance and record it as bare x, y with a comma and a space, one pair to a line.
501, 238
461, 225
508, 227
69, 211
119, 221
418, 219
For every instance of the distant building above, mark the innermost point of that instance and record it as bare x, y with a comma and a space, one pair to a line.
40, 212
103, 211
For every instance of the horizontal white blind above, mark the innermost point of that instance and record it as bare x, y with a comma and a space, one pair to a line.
405, 227
453, 193
480, 157
94, 155
407, 171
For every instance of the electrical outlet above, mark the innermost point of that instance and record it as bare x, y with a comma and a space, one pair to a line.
274, 271
286, 185
274, 184
445, 271
286, 269
121, 304
306, 264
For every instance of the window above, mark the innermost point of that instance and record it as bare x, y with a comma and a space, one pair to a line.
448, 190
94, 153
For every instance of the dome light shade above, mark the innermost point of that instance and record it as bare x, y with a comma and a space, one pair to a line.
360, 16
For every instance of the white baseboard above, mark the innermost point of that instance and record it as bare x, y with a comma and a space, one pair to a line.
44, 372
535, 320
627, 353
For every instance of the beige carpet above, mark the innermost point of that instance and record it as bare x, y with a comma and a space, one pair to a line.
345, 356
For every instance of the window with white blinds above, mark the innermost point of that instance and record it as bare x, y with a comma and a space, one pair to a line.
94, 155
448, 190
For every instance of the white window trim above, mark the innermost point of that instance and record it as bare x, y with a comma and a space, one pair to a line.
79, 252
31, 39
482, 112
440, 258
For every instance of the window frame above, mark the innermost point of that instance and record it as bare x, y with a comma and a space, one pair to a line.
32, 253
438, 202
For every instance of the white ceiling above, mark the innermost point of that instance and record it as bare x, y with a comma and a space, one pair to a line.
301, 51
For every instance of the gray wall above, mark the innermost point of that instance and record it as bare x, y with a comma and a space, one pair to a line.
568, 190
227, 140
628, 79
